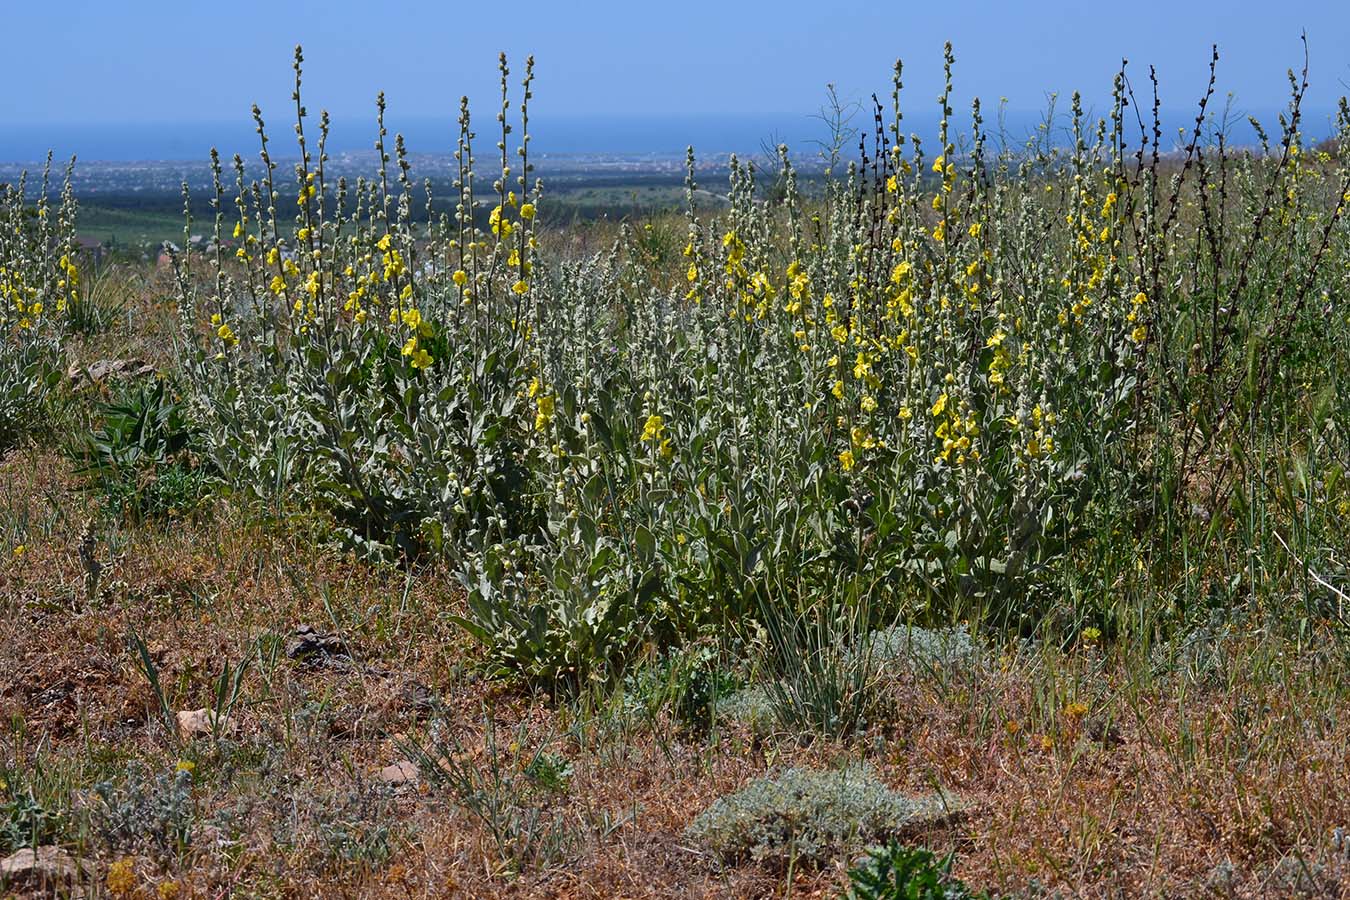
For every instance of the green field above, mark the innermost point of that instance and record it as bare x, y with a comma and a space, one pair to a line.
135, 229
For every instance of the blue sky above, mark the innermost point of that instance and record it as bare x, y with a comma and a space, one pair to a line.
104, 63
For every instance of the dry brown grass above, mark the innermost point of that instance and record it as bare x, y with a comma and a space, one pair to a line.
1142, 794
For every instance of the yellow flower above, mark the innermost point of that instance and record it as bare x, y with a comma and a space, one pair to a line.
185, 765
383, 243
520, 287
420, 359
838, 390
499, 225
861, 367
544, 415
868, 403
412, 318
939, 405
846, 460
527, 211
653, 429
460, 277
19, 551
1140, 332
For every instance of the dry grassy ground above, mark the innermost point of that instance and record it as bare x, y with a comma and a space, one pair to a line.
1082, 775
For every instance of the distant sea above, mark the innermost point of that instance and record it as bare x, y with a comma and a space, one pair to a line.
583, 135
664, 136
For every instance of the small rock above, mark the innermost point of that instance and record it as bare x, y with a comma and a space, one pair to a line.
45, 871
315, 648
403, 772
108, 369
197, 722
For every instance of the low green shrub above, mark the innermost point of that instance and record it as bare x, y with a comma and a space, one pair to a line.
808, 816
25, 819
692, 685
141, 460
896, 872
925, 648
144, 812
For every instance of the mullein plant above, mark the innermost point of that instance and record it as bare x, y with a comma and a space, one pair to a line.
353, 328
39, 279
960, 383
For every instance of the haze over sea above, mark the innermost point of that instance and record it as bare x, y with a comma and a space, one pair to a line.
712, 135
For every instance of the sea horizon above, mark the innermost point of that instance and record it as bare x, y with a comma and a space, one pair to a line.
665, 136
